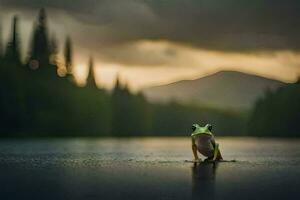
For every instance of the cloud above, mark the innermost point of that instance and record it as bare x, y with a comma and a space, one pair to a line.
147, 33
229, 25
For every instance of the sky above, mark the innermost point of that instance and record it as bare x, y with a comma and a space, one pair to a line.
154, 42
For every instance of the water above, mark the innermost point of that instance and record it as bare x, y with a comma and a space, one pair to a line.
148, 168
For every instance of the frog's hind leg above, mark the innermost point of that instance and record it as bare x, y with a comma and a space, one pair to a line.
219, 155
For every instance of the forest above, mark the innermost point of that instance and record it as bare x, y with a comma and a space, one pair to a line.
277, 113
38, 100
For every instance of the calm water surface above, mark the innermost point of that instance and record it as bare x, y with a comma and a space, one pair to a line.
148, 168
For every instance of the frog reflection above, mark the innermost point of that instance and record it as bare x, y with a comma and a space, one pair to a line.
203, 179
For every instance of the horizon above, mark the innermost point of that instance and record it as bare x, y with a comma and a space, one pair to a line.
145, 62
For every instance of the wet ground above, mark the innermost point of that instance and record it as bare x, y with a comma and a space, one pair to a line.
149, 168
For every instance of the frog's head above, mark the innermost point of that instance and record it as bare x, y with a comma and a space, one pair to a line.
201, 130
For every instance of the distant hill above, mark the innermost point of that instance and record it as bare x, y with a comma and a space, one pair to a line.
225, 89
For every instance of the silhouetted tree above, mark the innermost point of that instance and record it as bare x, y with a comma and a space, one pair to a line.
1, 42
118, 84
118, 126
91, 79
10, 87
68, 55
39, 49
298, 80
130, 115
12, 53
53, 50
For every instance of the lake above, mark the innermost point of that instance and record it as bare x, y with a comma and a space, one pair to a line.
147, 168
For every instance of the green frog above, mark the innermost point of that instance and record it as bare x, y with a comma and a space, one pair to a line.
203, 141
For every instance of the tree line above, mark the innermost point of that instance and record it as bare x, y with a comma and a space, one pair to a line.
277, 113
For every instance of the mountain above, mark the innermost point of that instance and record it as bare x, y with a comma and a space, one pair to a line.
224, 89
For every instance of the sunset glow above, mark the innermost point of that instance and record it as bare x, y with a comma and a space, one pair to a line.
191, 63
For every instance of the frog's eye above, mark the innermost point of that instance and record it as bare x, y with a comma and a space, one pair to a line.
193, 128
209, 127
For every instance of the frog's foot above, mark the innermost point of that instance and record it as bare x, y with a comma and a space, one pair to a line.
208, 159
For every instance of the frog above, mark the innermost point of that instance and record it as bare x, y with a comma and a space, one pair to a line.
203, 141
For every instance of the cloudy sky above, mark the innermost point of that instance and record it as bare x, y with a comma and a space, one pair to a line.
152, 42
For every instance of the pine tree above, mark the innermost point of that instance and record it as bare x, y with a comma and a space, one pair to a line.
1, 42
91, 81
117, 103
298, 80
118, 85
68, 55
12, 53
40, 50
53, 50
